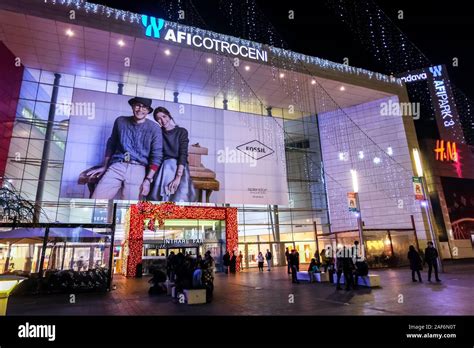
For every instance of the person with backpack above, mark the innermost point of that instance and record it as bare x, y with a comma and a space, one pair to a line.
268, 257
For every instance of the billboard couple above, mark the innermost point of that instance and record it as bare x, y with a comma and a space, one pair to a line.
145, 160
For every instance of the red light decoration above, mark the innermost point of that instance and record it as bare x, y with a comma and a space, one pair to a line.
160, 212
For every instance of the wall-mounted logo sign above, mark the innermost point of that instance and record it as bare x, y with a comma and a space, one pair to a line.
413, 77
154, 27
168, 243
418, 189
255, 149
446, 151
442, 97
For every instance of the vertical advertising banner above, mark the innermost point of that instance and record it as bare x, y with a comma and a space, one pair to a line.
447, 116
352, 201
418, 189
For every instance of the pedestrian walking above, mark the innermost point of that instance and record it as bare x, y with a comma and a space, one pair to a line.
241, 261
415, 263
287, 255
260, 261
268, 258
431, 258
226, 262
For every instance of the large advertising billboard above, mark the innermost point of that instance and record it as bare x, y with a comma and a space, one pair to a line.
226, 156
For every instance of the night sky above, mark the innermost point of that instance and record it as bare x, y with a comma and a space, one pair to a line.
440, 31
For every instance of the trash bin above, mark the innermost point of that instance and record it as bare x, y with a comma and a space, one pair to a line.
139, 271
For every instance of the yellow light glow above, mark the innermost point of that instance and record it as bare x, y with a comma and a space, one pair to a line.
419, 168
355, 181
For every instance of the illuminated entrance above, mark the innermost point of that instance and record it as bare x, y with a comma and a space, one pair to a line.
155, 215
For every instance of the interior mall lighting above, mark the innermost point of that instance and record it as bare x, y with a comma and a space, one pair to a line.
121, 43
10, 181
342, 88
424, 203
69, 33
247, 68
167, 52
376, 160
209, 60
361, 154
313, 82
355, 181
419, 168
341, 156
282, 75
389, 151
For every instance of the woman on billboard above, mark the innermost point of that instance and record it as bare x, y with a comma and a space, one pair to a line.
173, 181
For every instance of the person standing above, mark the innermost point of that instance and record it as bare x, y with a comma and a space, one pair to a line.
241, 261
268, 258
233, 263
431, 258
297, 260
294, 263
415, 263
226, 262
260, 261
287, 255
133, 155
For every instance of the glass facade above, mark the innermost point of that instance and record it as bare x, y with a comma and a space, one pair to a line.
260, 227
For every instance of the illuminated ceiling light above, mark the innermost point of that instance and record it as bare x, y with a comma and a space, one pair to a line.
69, 33
121, 43
247, 68
167, 52
10, 181
361, 154
424, 204
376, 160
341, 156
282, 75
389, 151
209, 60
342, 88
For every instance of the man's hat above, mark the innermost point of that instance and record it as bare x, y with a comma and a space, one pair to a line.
144, 101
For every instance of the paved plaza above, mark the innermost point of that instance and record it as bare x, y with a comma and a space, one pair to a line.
272, 293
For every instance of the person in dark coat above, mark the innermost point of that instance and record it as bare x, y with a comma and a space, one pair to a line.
294, 264
287, 255
431, 258
344, 265
233, 263
226, 262
415, 263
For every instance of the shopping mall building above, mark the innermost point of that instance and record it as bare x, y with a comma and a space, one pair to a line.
278, 142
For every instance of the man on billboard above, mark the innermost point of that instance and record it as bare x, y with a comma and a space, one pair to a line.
133, 155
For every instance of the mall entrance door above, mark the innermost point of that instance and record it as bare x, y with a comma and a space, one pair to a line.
250, 253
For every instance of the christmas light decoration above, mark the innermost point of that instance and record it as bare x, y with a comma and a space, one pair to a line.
145, 210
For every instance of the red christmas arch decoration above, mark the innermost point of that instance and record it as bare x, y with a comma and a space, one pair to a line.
160, 212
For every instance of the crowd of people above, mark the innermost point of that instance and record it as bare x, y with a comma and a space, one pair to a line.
186, 272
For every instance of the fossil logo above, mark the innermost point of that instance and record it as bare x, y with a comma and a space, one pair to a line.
255, 149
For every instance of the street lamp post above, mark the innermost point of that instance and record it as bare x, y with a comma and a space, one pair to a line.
426, 204
355, 188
